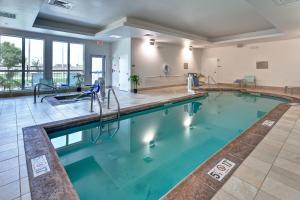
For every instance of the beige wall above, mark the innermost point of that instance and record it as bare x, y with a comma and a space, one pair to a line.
148, 62
283, 57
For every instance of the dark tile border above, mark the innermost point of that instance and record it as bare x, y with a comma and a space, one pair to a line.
198, 185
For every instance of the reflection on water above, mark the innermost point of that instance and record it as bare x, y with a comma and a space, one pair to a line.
154, 149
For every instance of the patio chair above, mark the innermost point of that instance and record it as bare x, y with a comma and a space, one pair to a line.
95, 88
249, 80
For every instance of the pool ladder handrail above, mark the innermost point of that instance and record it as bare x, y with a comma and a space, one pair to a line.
213, 80
94, 95
118, 104
36, 91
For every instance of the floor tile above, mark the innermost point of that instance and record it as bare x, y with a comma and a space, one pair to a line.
239, 189
9, 176
9, 164
261, 195
250, 175
222, 195
280, 190
10, 191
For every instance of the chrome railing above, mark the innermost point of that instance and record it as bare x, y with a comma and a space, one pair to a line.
211, 78
36, 91
118, 104
94, 95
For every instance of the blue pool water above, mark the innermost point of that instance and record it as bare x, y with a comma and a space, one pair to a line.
154, 149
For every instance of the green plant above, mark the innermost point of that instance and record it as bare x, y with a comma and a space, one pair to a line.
135, 79
79, 79
10, 56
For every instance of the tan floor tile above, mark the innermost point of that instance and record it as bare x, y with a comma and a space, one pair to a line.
239, 189
294, 157
250, 175
265, 152
291, 148
222, 195
286, 177
287, 165
280, 190
257, 164
261, 195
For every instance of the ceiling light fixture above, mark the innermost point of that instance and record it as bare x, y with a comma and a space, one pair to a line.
61, 3
115, 36
152, 42
148, 35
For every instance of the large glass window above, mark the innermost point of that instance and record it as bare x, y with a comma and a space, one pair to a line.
60, 62
76, 61
10, 63
67, 62
34, 61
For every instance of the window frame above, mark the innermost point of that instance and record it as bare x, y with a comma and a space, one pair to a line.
44, 54
69, 70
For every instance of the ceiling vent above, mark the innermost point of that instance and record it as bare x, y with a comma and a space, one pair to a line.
7, 15
284, 2
61, 3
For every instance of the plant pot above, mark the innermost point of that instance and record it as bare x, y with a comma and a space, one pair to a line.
135, 91
78, 89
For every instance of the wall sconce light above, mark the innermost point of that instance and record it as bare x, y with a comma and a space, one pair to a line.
152, 42
191, 48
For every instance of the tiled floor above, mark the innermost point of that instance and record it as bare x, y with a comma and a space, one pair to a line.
272, 170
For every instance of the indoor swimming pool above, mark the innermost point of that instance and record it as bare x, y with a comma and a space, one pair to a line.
155, 149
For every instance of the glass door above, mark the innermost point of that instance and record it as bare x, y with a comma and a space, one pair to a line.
98, 67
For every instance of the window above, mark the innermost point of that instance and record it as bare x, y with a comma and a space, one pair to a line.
14, 75
97, 67
10, 63
76, 61
67, 62
60, 63
34, 61
67, 140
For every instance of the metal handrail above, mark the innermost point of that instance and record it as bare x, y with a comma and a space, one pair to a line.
108, 103
36, 91
210, 77
93, 96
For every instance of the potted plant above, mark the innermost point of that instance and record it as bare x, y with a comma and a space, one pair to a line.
79, 81
135, 79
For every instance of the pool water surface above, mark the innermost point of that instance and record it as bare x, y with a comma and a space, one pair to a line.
154, 149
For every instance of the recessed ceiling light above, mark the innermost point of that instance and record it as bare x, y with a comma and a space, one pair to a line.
148, 35
115, 36
61, 3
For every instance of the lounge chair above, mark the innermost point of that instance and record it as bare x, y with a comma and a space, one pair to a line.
95, 88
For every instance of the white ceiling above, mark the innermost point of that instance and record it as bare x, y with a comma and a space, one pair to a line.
200, 22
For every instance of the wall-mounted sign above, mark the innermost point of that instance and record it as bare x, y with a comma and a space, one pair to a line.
221, 169
262, 65
185, 65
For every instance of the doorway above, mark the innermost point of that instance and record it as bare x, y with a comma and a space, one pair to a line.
98, 67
